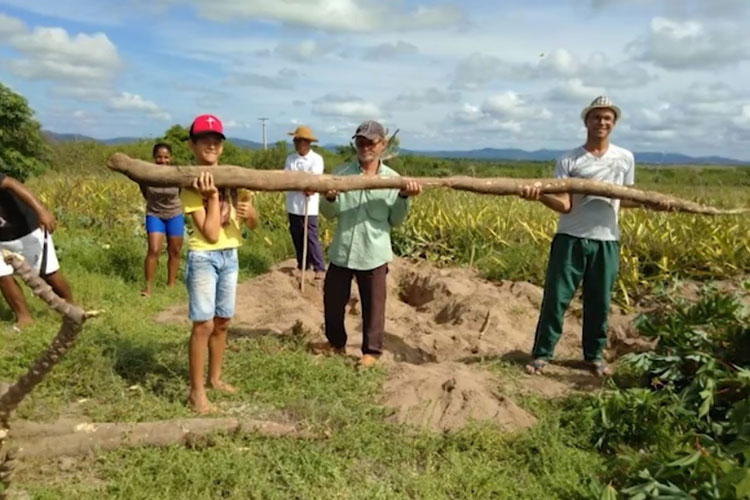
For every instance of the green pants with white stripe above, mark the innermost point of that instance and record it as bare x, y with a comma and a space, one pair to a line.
571, 261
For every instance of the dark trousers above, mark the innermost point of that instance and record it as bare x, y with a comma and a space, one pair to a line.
314, 252
336, 293
571, 261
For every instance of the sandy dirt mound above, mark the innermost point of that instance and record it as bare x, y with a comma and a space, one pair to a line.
433, 315
439, 324
445, 396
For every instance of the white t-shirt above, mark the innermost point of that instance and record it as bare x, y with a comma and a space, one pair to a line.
295, 201
595, 217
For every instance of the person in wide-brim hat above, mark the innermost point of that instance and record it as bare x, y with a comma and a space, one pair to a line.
304, 133
585, 247
304, 159
601, 102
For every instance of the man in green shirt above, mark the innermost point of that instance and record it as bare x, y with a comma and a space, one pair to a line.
361, 245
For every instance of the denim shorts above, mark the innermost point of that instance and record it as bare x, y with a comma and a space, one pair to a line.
211, 280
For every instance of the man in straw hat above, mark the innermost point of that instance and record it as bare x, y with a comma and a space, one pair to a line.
361, 246
585, 247
299, 204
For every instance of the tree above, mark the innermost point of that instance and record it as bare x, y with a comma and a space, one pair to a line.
23, 150
176, 136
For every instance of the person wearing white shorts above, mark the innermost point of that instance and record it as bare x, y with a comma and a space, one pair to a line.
33, 247
26, 228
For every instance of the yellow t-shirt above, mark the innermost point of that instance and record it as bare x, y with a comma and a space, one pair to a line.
230, 236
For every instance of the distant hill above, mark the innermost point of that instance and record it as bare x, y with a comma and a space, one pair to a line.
55, 137
244, 143
471, 154
551, 155
121, 140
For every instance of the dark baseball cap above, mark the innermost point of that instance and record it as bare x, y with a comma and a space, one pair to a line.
370, 129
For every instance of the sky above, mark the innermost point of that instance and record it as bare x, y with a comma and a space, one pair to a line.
448, 75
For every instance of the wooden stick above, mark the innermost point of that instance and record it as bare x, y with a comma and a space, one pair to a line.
304, 249
279, 180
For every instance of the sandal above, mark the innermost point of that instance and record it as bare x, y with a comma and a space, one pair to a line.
536, 367
600, 369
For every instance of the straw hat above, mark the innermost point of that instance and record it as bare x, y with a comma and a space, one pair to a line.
303, 132
601, 102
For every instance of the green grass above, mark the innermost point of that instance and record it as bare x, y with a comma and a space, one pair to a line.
128, 368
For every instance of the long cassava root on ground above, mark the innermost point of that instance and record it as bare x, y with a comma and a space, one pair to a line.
278, 180
68, 439
73, 319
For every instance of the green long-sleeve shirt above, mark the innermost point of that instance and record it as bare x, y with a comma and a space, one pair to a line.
362, 240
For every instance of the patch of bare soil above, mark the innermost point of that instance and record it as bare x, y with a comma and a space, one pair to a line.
446, 396
439, 323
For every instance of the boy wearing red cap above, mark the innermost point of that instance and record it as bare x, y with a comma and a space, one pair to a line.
212, 268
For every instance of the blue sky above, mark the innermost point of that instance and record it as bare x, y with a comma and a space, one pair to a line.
449, 75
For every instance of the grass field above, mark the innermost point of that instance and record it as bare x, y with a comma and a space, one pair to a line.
128, 368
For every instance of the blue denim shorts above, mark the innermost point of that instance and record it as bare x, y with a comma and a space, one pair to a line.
211, 280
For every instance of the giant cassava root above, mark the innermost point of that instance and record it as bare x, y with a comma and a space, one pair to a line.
68, 439
277, 180
73, 319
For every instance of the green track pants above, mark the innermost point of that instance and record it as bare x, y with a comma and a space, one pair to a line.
571, 260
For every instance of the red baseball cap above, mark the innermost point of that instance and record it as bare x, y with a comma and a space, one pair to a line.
206, 124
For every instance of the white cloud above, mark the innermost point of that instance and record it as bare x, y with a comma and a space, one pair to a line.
509, 105
239, 124
507, 112
469, 113
678, 45
54, 54
502, 126
742, 120
10, 26
342, 129
386, 51
331, 15
478, 70
699, 117
345, 106
574, 90
82, 93
81, 11
703, 9
285, 79
414, 100
306, 50
125, 101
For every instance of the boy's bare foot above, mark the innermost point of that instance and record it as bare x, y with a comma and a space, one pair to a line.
146, 292
222, 386
198, 402
22, 322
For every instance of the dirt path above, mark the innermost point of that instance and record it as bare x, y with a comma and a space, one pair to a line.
440, 323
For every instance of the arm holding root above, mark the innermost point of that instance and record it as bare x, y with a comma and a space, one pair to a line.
560, 203
46, 219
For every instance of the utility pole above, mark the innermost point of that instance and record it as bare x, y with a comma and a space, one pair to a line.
265, 141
